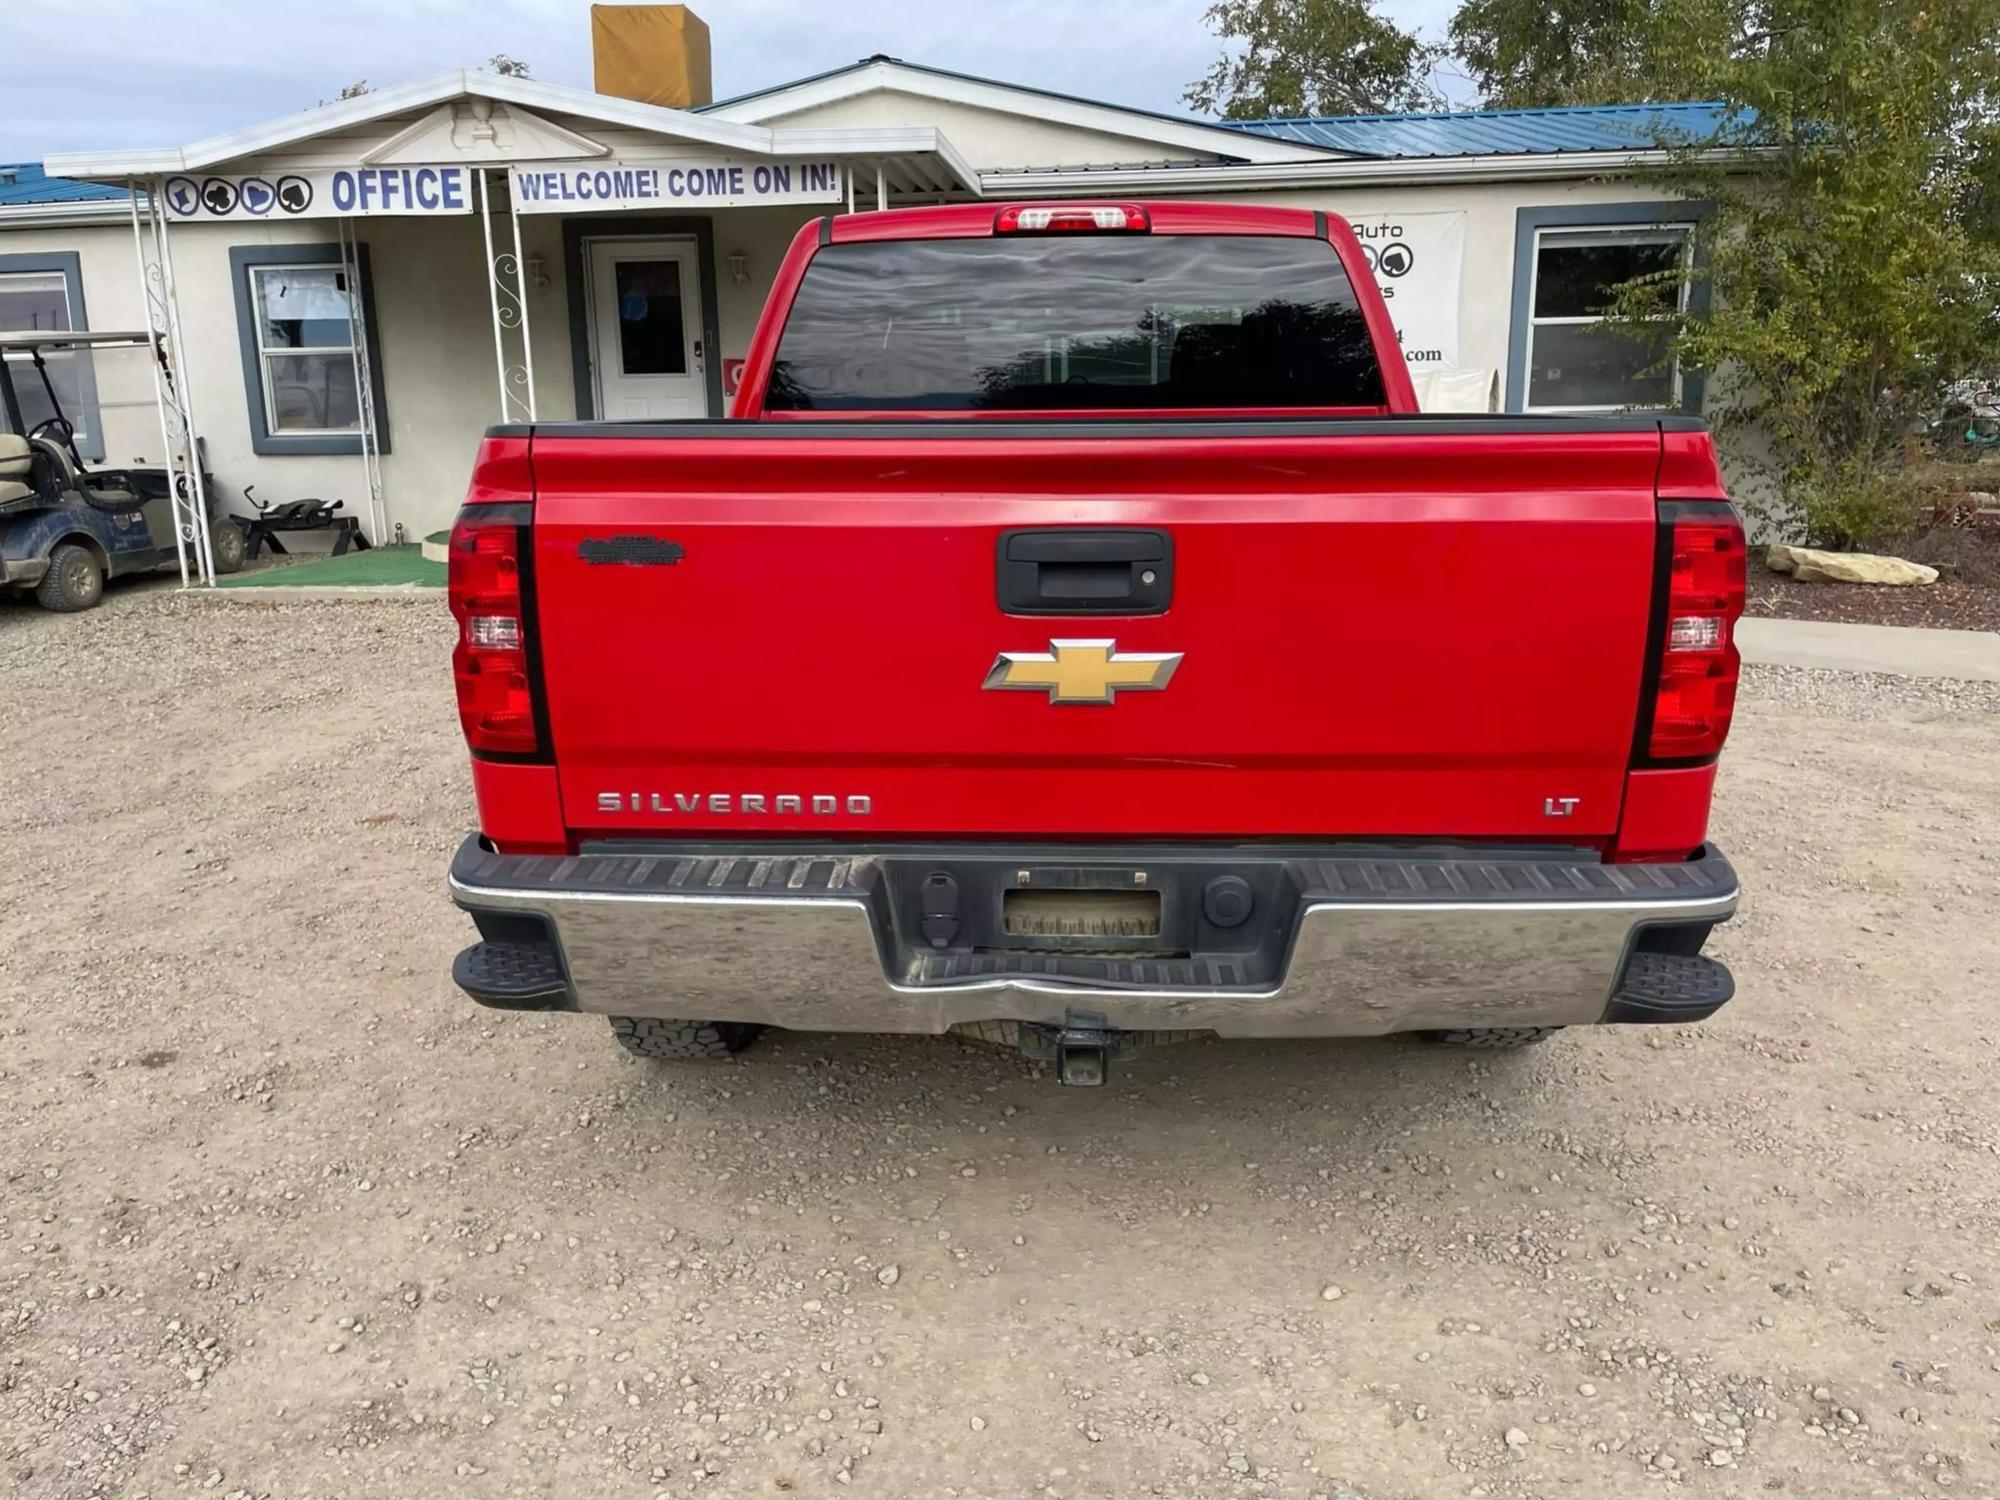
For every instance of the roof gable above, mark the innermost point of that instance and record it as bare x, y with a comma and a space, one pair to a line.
481, 130
988, 138
1170, 134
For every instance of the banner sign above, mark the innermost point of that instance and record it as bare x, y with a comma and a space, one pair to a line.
1417, 260
710, 182
323, 193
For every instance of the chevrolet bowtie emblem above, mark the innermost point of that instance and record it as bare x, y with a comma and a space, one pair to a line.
1083, 671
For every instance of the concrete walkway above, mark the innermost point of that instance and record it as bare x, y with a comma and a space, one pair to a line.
1900, 650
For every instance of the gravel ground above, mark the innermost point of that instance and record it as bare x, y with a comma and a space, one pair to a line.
284, 1215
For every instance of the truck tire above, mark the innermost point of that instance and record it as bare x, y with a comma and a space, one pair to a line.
666, 1040
1492, 1038
73, 581
226, 545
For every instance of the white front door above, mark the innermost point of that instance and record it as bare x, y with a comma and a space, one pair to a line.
647, 358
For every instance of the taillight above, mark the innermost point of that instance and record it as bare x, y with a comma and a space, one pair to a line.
1698, 662
1073, 218
492, 664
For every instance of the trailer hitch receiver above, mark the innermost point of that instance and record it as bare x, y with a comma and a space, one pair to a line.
1081, 1049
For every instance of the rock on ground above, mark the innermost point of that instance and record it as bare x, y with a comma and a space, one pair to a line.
283, 1215
1809, 565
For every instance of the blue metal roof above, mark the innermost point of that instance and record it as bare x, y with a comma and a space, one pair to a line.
1502, 132
26, 182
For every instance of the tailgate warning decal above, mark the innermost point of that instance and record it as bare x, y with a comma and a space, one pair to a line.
637, 551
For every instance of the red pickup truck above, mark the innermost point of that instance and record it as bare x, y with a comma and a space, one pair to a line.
1076, 635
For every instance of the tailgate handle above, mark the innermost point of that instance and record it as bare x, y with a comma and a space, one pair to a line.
1078, 571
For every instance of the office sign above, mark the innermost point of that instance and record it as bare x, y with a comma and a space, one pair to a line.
682, 182
321, 193
1418, 260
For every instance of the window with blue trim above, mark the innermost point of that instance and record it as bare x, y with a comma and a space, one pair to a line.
1573, 365
40, 295
299, 317
305, 349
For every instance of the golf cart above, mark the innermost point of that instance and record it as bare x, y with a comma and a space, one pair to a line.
65, 527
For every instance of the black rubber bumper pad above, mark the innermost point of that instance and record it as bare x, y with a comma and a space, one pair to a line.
513, 976
1670, 988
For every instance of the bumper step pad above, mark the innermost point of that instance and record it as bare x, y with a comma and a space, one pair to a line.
1670, 988
513, 976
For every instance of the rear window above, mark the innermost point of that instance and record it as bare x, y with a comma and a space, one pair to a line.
1079, 323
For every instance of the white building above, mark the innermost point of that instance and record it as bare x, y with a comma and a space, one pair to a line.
648, 236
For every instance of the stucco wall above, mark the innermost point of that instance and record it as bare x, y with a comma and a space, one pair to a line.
110, 301
764, 235
1486, 284
990, 139
435, 334
436, 340
436, 345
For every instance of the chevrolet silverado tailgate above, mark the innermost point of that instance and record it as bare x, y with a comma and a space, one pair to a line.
1404, 627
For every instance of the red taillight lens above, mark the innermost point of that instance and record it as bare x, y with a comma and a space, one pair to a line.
491, 664
1698, 661
496, 697
1072, 218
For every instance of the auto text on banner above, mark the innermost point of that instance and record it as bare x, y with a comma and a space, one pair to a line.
320, 193
713, 182
1418, 260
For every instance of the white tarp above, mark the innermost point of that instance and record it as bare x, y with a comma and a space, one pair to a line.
1418, 260
324, 193
682, 182
1456, 390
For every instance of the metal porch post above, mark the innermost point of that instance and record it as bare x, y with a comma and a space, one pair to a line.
156, 327
364, 380
521, 297
187, 488
197, 483
493, 293
509, 306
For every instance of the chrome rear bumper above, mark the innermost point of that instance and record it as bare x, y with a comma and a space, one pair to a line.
1348, 941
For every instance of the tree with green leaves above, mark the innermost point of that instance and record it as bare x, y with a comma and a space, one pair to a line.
1527, 54
1313, 57
1854, 253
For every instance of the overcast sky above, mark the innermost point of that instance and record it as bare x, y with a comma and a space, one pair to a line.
166, 72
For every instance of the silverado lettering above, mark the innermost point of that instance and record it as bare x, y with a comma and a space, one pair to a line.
1447, 691
819, 804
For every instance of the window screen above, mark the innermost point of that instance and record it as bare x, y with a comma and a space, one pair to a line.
1075, 323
